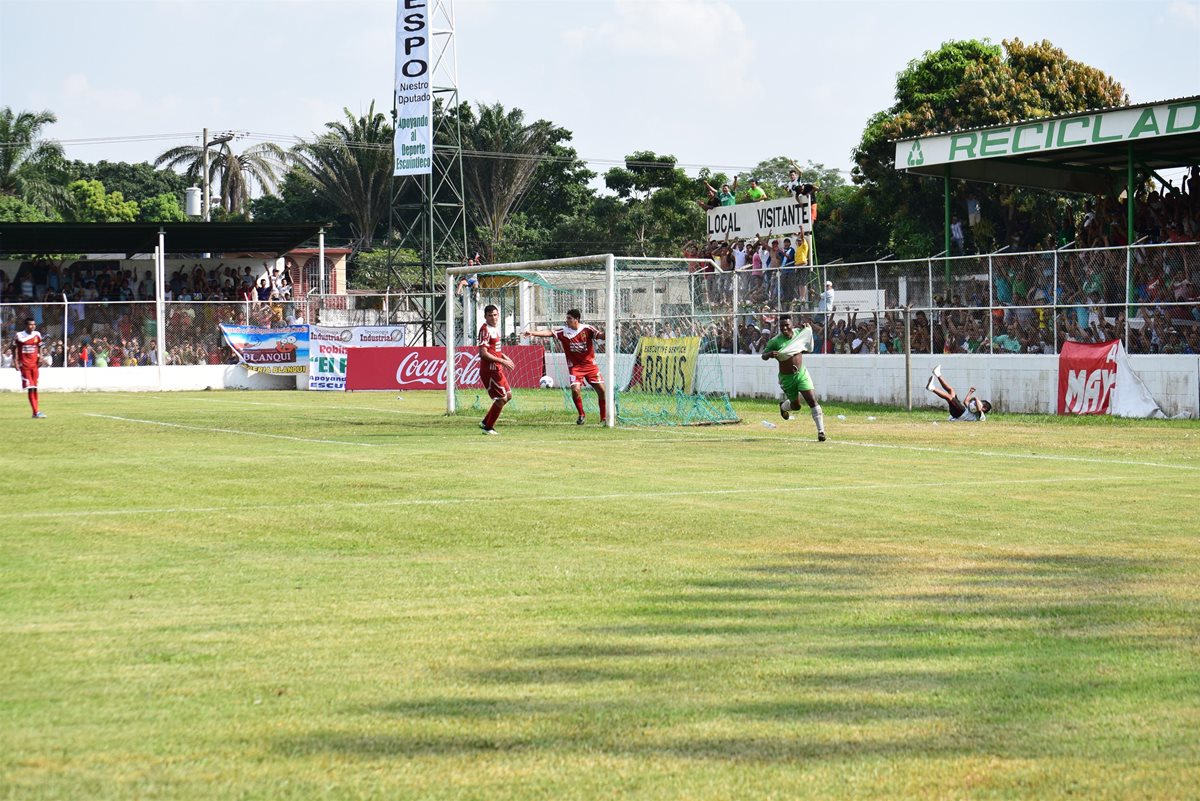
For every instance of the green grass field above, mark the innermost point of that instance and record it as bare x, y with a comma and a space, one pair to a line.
228, 595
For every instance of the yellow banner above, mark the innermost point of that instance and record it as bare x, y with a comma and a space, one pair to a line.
666, 365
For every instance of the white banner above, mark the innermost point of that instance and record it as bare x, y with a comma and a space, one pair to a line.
787, 216
413, 148
327, 350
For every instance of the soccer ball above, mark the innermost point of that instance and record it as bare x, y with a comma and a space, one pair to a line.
546, 383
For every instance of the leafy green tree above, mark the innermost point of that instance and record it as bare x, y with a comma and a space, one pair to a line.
89, 203
772, 175
231, 176
349, 167
661, 211
970, 84
13, 209
29, 164
384, 268
161, 208
138, 182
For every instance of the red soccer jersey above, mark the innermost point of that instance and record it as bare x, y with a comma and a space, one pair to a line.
579, 345
489, 340
29, 345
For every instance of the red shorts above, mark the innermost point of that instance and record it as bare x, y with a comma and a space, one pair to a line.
29, 377
495, 383
585, 372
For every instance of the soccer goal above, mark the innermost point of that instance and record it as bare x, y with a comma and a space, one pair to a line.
662, 335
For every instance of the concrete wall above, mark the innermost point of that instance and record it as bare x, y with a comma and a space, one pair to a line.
147, 379
1014, 383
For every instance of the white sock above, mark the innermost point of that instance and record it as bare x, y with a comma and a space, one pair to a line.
818, 417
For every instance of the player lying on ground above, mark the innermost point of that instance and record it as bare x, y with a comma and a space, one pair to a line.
26, 355
491, 367
789, 348
969, 409
578, 340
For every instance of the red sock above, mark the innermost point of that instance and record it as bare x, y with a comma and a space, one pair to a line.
33, 400
579, 404
493, 415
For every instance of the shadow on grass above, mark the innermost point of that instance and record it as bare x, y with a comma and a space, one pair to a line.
818, 656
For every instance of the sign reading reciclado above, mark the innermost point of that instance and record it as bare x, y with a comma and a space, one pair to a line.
786, 216
413, 144
1035, 136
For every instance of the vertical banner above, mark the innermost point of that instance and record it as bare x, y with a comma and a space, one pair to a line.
665, 366
414, 96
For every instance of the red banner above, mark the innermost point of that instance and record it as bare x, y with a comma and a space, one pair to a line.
1086, 377
425, 368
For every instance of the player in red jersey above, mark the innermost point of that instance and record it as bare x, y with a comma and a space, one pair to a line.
578, 340
26, 355
491, 368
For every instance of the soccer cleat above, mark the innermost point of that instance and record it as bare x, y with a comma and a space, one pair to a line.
932, 385
820, 436
38, 415
491, 432
937, 370
580, 420
783, 411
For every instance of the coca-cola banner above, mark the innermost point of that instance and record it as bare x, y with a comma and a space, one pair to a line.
1098, 379
425, 368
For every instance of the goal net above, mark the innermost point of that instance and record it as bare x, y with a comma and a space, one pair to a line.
662, 336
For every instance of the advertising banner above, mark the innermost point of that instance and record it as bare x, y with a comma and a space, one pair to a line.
425, 368
413, 150
328, 345
269, 350
665, 365
786, 216
1097, 379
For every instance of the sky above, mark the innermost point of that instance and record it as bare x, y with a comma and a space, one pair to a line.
718, 84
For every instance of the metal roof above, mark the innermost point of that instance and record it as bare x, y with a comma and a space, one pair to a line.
1093, 168
131, 238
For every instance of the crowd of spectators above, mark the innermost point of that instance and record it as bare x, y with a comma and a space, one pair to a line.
110, 318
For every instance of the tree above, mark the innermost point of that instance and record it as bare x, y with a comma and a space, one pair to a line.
89, 203
660, 203
772, 174
231, 176
28, 163
161, 208
138, 182
501, 156
394, 268
970, 84
349, 167
13, 209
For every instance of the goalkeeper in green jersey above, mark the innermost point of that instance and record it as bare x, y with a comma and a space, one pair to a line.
788, 348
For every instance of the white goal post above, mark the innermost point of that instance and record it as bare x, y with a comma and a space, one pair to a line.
607, 261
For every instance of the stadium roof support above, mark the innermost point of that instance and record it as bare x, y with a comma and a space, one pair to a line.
131, 238
1094, 152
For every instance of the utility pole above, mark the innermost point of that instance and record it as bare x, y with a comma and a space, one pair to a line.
223, 138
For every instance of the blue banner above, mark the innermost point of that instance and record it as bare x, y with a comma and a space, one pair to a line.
269, 350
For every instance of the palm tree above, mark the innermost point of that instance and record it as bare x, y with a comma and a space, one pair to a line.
233, 174
350, 167
500, 157
27, 161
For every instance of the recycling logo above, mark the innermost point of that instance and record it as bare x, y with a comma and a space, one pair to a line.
915, 157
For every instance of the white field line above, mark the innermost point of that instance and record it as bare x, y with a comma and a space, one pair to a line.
695, 438
233, 431
518, 499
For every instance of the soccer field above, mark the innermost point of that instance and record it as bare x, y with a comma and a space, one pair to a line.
227, 595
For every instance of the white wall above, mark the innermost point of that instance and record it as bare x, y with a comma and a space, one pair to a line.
135, 379
1014, 383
